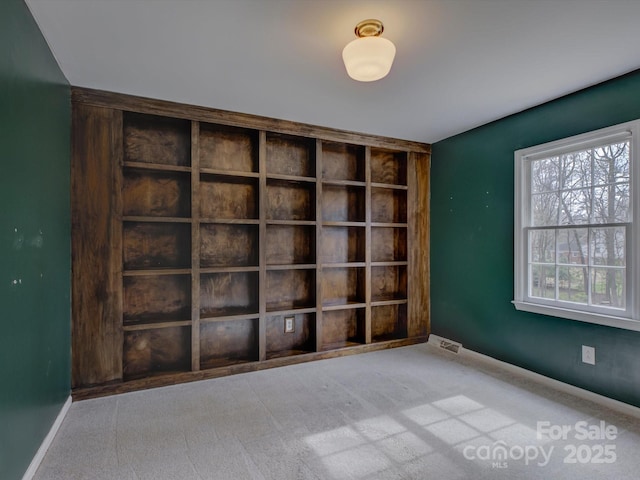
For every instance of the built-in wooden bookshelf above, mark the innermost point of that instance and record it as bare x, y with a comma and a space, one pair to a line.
210, 231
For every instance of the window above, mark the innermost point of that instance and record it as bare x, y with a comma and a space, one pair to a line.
576, 231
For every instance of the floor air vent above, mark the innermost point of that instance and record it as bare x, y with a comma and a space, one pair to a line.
450, 346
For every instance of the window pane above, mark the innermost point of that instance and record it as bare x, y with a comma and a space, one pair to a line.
542, 281
608, 246
611, 203
573, 284
611, 164
544, 175
542, 246
575, 170
575, 207
608, 287
544, 209
573, 246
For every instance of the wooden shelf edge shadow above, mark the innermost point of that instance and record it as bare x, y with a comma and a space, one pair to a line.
86, 393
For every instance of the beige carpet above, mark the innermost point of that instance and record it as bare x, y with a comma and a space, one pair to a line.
409, 413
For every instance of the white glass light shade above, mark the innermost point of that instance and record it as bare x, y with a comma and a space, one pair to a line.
368, 58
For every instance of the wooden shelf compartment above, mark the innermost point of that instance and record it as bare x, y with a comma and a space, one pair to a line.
388, 167
343, 244
388, 244
287, 290
156, 140
300, 341
388, 283
343, 328
156, 298
388, 322
156, 351
228, 245
290, 200
388, 205
228, 342
228, 293
290, 155
156, 245
343, 203
228, 197
342, 161
290, 244
230, 149
343, 286
148, 193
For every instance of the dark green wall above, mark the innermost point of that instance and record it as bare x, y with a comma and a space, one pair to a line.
472, 246
35, 265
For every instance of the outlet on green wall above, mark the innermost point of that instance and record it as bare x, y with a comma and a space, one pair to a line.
35, 237
472, 188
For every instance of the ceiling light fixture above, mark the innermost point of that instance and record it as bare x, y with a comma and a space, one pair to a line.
368, 57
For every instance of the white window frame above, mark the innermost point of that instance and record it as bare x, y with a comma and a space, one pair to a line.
630, 317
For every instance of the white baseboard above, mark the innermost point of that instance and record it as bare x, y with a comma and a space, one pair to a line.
607, 402
46, 443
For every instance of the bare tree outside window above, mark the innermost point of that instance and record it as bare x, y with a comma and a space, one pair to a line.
579, 216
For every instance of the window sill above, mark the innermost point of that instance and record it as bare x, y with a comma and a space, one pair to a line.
588, 317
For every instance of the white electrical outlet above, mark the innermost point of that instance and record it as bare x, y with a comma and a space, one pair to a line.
588, 355
289, 324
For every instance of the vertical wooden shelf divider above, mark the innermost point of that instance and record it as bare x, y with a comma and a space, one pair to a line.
367, 258
419, 302
318, 207
195, 246
262, 242
197, 232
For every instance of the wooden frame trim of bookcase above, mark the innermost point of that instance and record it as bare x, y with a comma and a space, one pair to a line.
86, 393
224, 117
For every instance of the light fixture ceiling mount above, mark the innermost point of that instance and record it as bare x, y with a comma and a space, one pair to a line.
368, 57
369, 28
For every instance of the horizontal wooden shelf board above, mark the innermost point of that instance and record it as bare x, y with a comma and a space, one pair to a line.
388, 225
292, 178
147, 325
231, 221
230, 269
149, 219
133, 103
389, 185
229, 318
156, 271
161, 380
387, 300
398, 263
287, 311
343, 224
156, 166
328, 307
393, 301
293, 266
229, 173
290, 222
345, 265
339, 183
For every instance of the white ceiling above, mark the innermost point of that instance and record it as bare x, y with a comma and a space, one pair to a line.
459, 63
